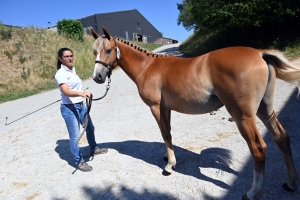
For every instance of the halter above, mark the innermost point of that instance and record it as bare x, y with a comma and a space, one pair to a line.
109, 65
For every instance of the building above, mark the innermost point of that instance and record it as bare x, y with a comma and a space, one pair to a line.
165, 41
127, 24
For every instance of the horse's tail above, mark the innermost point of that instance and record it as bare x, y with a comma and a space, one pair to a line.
285, 70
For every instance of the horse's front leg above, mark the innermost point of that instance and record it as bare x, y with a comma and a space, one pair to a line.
163, 118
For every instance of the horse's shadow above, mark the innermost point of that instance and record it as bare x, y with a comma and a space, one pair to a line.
188, 162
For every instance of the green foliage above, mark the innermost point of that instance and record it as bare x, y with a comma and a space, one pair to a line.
293, 50
210, 16
71, 28
25, 73
47, 72
186, 17
22, 58
8, 54
5, 32
18, 45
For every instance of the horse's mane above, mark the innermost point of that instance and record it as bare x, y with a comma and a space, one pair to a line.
98, 44
138, 48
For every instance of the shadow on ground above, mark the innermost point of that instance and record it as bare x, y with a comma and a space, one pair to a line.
106, 193
188, 162
64, 152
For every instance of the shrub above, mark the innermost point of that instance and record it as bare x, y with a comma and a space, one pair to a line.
5, 32
71, 28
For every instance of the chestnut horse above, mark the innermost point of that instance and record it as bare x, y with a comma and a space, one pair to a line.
241, 78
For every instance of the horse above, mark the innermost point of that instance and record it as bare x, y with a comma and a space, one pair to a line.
240, 78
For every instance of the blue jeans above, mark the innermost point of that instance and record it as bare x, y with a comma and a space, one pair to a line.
73, 115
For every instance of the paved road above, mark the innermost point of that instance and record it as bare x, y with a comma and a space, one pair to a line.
212, 158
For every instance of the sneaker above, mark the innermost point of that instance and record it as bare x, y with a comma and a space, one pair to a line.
99, 151
83, 166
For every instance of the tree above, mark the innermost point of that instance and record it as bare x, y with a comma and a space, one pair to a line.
185, 16
215, 15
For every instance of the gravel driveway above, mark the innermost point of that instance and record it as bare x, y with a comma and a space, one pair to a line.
213, 160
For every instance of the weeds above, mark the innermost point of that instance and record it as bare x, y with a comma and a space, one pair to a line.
25, 73
18, 46
22, 59
8, 54
5, 32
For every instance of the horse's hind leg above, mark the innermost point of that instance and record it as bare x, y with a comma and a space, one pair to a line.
257, 146
242, 106
280, 137
282, 140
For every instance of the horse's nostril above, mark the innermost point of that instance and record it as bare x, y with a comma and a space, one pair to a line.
99, 77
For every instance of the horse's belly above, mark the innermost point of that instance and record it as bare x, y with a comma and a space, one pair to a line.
199, 106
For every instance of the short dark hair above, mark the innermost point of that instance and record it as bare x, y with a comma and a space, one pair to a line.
60, 54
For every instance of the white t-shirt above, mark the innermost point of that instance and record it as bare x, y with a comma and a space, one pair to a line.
65, 75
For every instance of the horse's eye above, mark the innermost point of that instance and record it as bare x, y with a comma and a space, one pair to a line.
108, 51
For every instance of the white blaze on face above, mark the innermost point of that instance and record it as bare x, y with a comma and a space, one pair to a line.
97, 59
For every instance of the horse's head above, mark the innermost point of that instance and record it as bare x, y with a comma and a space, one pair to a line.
107, 54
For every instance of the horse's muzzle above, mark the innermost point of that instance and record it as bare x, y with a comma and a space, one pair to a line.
99, 78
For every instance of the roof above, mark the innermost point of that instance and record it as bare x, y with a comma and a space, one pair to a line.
122, 24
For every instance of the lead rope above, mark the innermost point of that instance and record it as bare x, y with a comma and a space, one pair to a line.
107, 88
89, 105
34, 111
86, 118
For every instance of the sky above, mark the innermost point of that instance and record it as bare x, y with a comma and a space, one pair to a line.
162, 14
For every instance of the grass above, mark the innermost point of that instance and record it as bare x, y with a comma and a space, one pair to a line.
148, 46
28, 59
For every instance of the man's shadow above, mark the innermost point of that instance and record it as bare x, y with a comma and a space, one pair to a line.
64, 152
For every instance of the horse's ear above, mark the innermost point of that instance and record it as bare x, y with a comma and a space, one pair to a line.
106, 33
95, 34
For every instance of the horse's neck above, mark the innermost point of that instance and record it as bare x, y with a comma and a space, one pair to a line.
132, 61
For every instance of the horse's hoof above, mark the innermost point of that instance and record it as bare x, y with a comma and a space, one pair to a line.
165, 173
245, 197
287, 188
